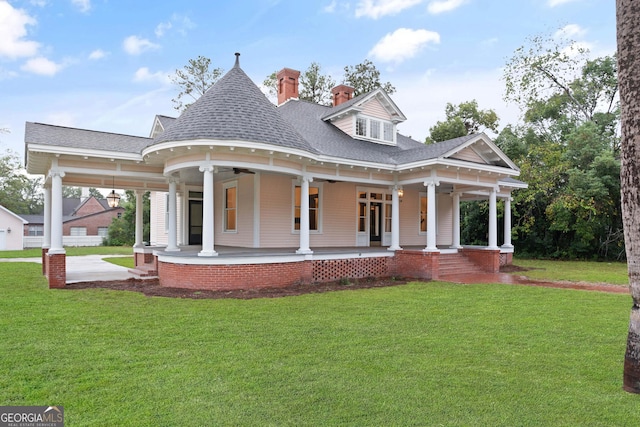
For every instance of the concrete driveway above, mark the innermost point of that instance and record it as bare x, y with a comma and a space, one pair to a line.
86, 268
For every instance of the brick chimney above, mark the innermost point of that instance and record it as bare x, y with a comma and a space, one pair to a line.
287, 84
341, 94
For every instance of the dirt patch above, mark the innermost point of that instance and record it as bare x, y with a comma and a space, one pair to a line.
151, 288
513, 269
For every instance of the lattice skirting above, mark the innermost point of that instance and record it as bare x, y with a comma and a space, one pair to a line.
354, 268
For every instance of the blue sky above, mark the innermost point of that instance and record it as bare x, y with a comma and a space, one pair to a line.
104, 64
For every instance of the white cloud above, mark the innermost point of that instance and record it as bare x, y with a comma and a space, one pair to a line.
13, 30
144, 75
378, 8
178, 23
162, 28
134, 45
331, 7
83, 5
42, 66
570, 31
402, 44
440, 6
554, 3
98, 54
423, 98
7, 74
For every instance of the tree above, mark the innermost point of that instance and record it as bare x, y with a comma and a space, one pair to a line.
463, 119
76, 192
316, 87
71, 192
570, 136
18, 193
194, 80
628, 37
271, 84
122, 230
364, 78
558, 88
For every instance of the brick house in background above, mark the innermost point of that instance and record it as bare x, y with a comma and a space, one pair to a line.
85, 222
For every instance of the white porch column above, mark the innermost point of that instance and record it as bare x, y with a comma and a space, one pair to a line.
395, 220
46, 238
56, 213
431, 217
493, 220
173, 217
207, 212
507, 223
139, 220
456, 221
304, 216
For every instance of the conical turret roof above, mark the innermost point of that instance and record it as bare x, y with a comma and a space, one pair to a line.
234, 109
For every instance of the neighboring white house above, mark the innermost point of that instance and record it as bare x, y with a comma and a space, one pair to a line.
11, 226
247, 194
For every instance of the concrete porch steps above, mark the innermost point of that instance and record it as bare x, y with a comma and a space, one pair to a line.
144, 271
456, 264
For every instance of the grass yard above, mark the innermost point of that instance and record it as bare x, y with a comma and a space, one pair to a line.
71, 251
614, 273
418, 354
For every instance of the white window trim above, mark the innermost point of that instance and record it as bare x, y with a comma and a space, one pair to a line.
367, 129
225, 186
317, 185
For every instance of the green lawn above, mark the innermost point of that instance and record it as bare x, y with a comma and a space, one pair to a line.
418, 354
73, 251
614, 273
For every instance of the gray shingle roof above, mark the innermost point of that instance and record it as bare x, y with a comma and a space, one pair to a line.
165, 121
307, 117
43, 134
234, 109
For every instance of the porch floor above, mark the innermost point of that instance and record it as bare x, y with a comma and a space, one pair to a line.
232, 251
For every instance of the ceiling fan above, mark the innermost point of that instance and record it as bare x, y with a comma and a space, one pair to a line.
242, 170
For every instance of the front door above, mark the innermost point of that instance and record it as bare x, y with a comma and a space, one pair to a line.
195, 222
374, 217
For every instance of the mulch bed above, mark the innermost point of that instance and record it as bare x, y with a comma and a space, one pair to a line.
151, 288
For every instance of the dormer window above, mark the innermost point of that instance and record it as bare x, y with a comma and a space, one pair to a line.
374, 129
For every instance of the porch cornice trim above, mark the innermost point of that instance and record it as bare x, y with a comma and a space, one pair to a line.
83, 152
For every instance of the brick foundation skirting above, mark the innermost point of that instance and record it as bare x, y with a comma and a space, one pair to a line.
253, 276
487, 259
417, 264
57, 271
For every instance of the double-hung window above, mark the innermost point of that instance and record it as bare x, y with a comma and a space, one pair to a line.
314, 208
375, 129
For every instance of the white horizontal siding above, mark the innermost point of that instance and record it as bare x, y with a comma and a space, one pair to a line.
375, 109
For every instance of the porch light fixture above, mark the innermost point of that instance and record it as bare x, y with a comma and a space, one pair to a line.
113, 199
401, 193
